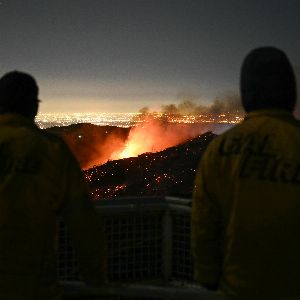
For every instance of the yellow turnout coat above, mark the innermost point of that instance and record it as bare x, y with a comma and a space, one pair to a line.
40, 179
246, 209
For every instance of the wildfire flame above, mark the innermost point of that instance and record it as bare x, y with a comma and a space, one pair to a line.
141, 139
130, 150
152, 136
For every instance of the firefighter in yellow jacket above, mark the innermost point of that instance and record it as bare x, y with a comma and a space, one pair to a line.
246, 203
39, 180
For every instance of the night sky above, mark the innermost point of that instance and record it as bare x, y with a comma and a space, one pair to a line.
121, 55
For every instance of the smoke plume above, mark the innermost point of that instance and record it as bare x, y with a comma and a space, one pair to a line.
228, 104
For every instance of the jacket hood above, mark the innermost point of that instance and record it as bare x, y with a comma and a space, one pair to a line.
267, 80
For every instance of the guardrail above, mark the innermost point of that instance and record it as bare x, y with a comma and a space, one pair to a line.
148, 242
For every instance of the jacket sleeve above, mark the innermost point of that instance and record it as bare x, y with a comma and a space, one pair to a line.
206, 227
84, 225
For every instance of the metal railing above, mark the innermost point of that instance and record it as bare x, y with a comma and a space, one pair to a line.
148, 242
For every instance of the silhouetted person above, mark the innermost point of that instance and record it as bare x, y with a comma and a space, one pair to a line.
246, 203
39, 180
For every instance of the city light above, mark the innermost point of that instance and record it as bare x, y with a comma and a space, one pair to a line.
101, 119
127, 120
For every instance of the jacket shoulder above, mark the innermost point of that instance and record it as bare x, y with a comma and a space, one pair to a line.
214, 144
50, 141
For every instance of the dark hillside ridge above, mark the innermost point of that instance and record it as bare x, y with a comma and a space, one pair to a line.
90, 142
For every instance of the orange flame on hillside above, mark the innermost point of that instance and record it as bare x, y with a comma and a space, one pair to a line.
154, 135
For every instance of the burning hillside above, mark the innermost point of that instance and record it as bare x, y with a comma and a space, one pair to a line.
154, 135
154, 158
95, 145
168, 172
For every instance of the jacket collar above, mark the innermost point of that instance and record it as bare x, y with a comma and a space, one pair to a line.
274, 113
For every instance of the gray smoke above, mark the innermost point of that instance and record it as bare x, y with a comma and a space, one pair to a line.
228, 103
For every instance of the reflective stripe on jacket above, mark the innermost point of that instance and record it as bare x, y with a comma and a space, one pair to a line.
246, 209
39, 180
